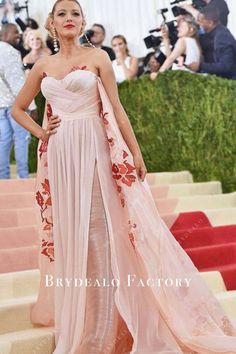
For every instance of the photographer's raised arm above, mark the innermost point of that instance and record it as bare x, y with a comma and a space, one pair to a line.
178, 50
189, 8
26, 95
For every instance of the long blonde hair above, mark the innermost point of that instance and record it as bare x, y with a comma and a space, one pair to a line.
192, 23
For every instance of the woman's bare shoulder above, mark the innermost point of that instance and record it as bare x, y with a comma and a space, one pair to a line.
41, 65
102, 56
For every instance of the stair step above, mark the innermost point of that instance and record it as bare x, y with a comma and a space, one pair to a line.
228, 272
195, 203
214, 281
10, 186
29, 341
16, 259
205, 236
14, 237
15, 313
17, 200
228, 302
18, 217
169, 177
213, 256
186, 189
207, 217
19, 284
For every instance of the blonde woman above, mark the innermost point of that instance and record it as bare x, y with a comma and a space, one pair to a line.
34, 41
125, 66
106, 254
187, 49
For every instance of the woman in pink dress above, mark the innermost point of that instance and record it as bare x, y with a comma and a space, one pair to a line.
113, 278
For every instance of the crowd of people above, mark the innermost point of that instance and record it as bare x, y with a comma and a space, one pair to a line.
204, 45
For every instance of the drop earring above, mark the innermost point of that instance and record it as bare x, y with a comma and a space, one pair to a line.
55, 42
91, 44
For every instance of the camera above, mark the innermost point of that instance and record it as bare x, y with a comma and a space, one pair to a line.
177, 10
152, 41
19, 8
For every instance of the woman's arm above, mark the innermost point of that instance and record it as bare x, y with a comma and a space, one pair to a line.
179, 50
108, 79
131, 72
166, 39
189, 8
26, 95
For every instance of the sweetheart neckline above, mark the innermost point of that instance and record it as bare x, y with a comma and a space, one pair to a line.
53, 77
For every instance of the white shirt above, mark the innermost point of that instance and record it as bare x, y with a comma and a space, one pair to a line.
192, 53
12, 76
119, 72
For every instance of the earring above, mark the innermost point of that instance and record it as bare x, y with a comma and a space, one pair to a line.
91, 44
55, 42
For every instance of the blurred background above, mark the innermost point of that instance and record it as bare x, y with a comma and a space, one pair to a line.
133, 18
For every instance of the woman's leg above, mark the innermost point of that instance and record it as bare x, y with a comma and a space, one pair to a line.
101, 318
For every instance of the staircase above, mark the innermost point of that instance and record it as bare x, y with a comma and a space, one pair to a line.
200, 216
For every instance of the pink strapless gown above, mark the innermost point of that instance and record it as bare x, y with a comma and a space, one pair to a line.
102, 223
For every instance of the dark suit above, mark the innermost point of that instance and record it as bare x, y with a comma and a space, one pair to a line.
224, 54
110, 52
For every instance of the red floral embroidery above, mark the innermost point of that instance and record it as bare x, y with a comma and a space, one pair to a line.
48, 249
111, 141
44, 144
103, 116
43, 148
131, 232
49, 110
74, 68
44, 75
123, 172
39, 199
44, 201
121, 195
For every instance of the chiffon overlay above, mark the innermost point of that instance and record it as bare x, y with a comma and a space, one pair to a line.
99, 226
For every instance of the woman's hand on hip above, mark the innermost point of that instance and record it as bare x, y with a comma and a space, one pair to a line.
53, 124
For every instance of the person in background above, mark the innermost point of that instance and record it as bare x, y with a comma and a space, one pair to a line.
11, 80
98, 38
224, 46
221, 5
187, 48
38, 49
152, 63
125, 66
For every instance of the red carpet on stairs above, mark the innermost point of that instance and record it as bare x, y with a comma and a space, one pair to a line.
205, 236
210, 248
190, 220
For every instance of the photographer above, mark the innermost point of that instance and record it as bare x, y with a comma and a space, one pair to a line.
98, 38
221, 5
187, 46
224, 46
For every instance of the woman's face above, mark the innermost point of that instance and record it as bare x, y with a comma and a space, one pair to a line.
68, 19
119, 46
184, 29
34, 42
153, 64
